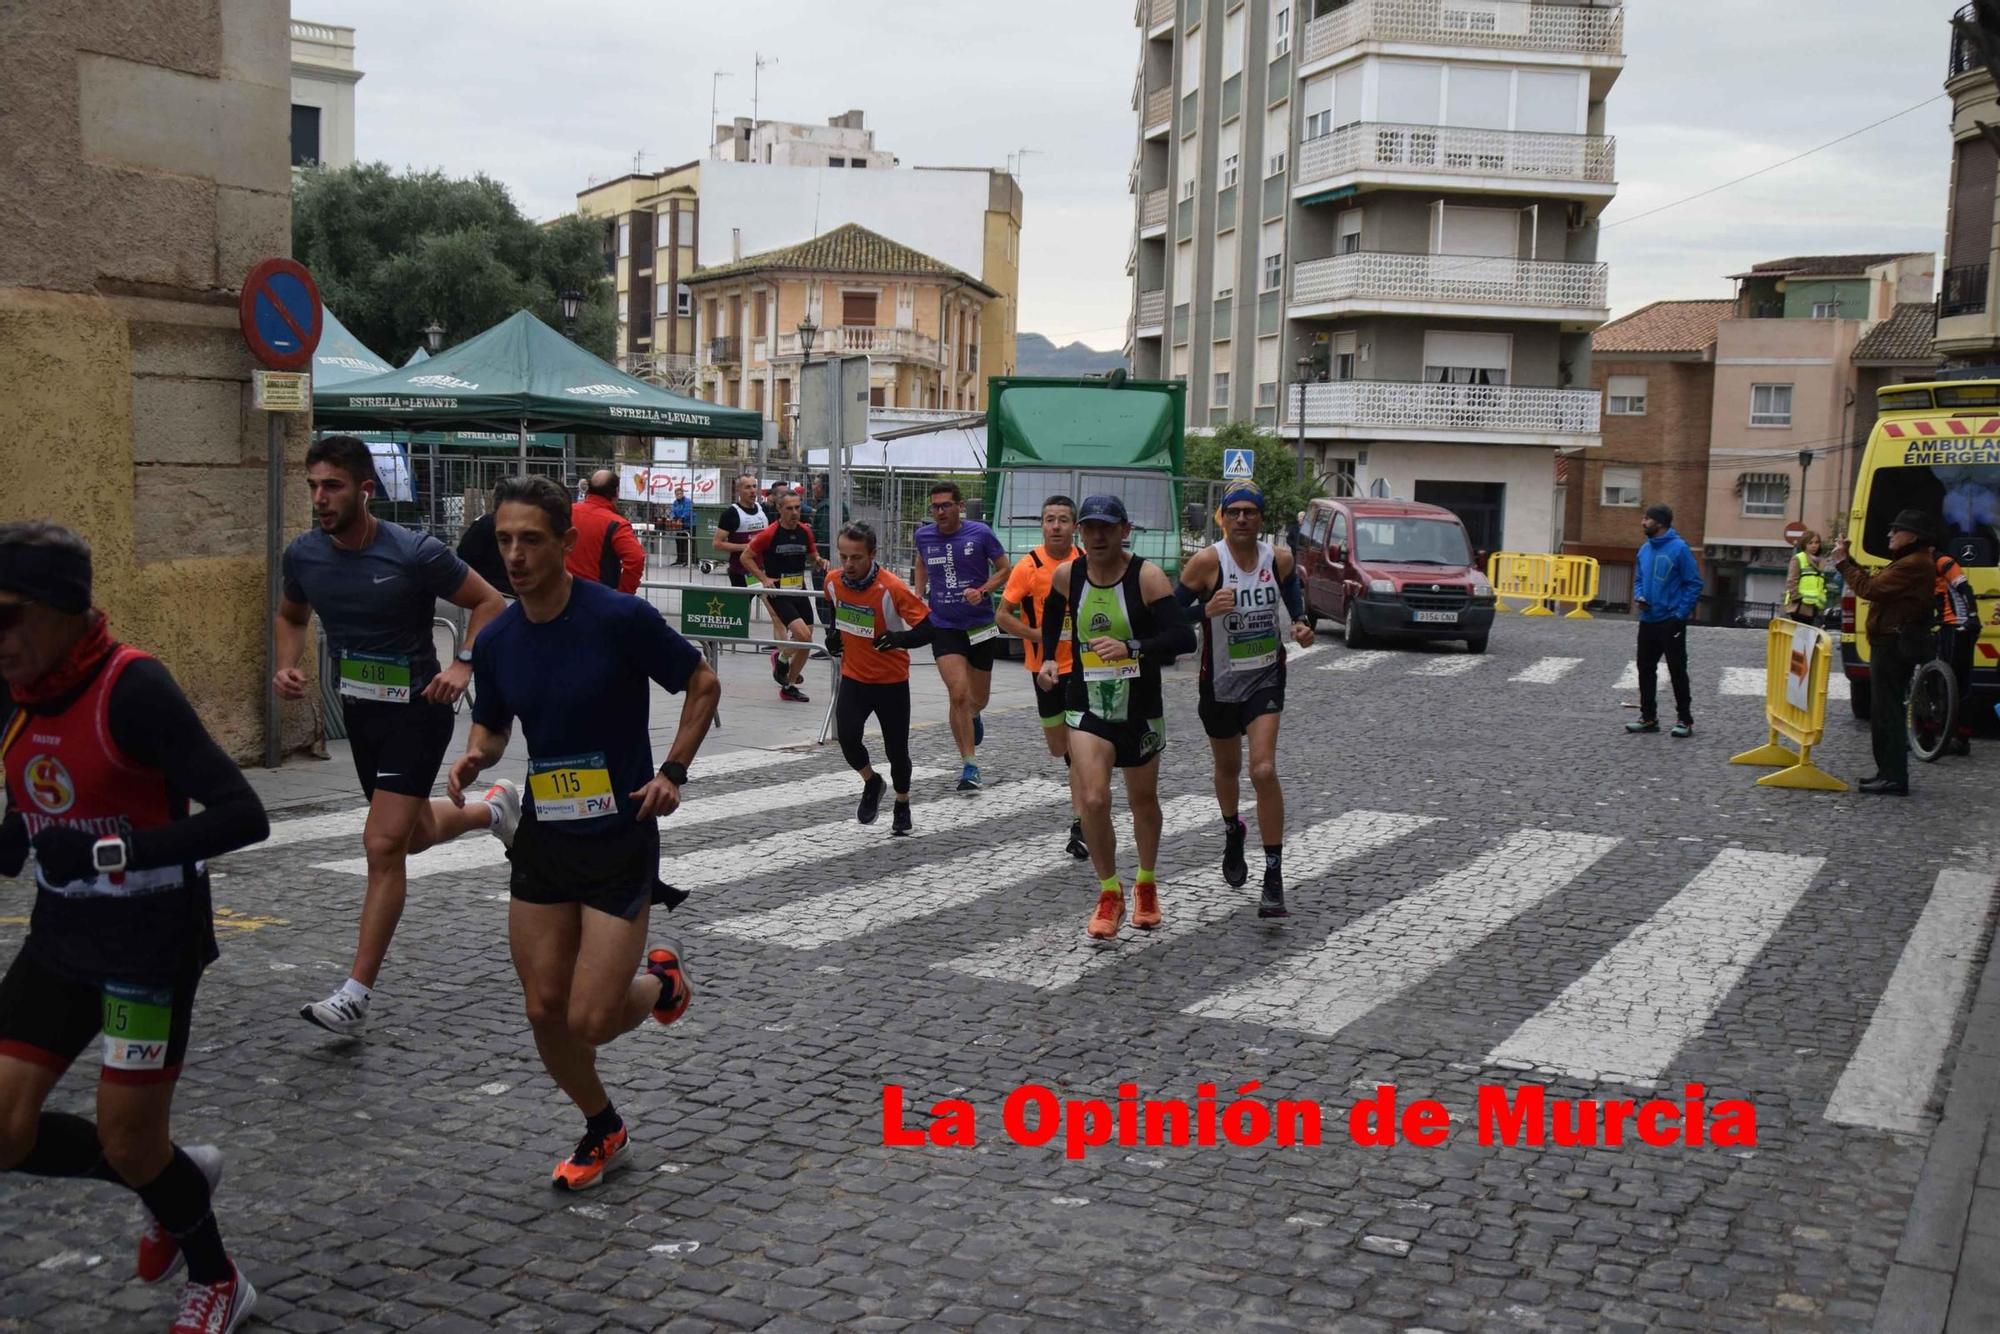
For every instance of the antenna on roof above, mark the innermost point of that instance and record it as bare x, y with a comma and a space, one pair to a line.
1017, 159
756, 77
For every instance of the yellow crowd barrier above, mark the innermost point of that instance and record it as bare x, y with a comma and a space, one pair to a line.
1797, 659
1540, 578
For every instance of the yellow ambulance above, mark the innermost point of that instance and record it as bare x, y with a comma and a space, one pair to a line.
1935, 448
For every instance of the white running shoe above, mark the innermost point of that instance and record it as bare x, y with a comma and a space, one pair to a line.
340, 1013
505, 800
160, 1255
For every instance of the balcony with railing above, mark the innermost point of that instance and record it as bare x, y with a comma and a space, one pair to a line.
1373, 280
1508, 25
1523, 158
1152, 311
1153, 209
1964, 291
1159, 111
725, 351
659, 367
1367, 408
858, 340
1964, 56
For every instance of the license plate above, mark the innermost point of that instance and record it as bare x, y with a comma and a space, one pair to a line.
1436, 617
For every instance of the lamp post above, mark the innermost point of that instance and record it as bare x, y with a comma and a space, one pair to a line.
571, 299
1305, 370
808, 332
1805, 465
433, 337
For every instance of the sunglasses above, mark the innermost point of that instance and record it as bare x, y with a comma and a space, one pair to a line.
938, 505
11, 613
1242, 512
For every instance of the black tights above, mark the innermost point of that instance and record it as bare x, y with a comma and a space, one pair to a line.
891, 706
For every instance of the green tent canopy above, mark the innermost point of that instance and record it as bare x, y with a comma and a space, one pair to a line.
519, 376
341, 358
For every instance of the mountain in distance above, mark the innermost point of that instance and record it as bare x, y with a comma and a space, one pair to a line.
1036, 355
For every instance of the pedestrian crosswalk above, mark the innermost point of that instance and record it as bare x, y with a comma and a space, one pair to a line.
1550, 671
1629, 1011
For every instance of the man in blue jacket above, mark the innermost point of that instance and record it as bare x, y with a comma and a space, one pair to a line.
1665, 586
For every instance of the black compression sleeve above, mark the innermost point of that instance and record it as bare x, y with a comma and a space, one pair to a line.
1190, 601
152, 722
918, 635
1172, 635
1055, 610
1295, 601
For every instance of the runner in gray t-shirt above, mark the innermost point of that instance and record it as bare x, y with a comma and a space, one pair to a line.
375, 586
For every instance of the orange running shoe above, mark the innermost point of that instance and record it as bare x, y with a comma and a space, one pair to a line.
1146, 905
1110, 915
664, 962
592, 1159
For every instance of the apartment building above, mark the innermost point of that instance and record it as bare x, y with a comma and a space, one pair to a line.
917, 319
1788, 420
1968, 308
773, 184
323, 79
1371, 224
1656, 371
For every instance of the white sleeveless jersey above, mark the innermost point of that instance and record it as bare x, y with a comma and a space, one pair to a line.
749, 522
1242, 651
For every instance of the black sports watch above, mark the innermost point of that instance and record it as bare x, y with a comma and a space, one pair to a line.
674, 772
464, 655
1132, 648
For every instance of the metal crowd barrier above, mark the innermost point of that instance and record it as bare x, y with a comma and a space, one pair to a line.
1541, 577
1797, 659
713, 643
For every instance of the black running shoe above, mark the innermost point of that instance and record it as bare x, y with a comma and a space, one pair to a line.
1076, 847
794, 695
899, 819
871, 799
779, 672
1272, 904
1234, 869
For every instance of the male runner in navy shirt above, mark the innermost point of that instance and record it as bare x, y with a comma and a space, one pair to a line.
575, 661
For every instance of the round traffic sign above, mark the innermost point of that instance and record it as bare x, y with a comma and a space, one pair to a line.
280, 314
1794, 531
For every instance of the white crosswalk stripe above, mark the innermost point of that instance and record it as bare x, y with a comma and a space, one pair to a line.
1629, 1016
1743, 681
1629, 680
826, 919
1393, 949
477, 850
1059, 955
1457, 665
1355, 660
724, 865
1547, 671
1887, 1082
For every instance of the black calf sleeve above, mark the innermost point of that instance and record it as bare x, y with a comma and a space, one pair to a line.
67, 1146
178, 1198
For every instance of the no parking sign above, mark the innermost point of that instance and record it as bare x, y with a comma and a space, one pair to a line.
280, 313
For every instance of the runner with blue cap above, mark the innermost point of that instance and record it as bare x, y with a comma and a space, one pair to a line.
1235, 588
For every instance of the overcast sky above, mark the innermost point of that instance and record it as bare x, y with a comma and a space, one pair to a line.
547, 99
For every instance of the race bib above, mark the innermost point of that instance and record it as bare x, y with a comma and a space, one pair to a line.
1252, 648
376, 676
791, 581
137, 1023
853, 620
1107, 669
981, 634
574, 787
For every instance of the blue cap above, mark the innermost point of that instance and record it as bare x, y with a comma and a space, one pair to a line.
1243, 491
1102, 509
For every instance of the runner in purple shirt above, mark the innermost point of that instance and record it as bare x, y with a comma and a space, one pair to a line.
960, 563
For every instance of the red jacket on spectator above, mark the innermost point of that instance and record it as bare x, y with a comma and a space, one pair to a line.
606, 549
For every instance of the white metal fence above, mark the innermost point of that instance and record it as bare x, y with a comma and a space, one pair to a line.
1514, 25
1381, 146
1466, 278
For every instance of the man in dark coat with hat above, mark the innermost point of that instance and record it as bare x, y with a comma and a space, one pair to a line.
1902, 599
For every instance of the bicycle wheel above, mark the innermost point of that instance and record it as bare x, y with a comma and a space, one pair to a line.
1933, 710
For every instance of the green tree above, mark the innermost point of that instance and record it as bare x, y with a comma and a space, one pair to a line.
393, 252
1276, 472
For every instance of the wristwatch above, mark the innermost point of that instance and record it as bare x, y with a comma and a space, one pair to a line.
465, 655
1132, 648
674, 772
108, 855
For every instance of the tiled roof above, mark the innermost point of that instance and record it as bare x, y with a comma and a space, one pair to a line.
1664, 326
1817, 266
1904, 336
847, 249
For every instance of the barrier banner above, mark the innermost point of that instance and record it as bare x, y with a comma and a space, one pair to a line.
722, 613
656, 483
1798, 677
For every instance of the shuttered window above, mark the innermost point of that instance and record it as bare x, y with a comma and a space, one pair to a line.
1971, 240
857, 309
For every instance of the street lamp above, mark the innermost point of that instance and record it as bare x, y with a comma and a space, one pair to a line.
1305, 370
433, 337
808, 331
570, 299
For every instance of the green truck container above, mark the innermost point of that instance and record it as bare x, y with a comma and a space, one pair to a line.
1078, 437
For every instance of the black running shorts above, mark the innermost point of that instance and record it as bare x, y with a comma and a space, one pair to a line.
1223, 719
613, 871
1052, 704
785, 610
958, 643
397, 747
47, 1019
1133, 744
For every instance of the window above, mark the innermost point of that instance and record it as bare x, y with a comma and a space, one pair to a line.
305, 136
1232, 44
1229, 149
1770, 405
1318, 103
1349, 233
1341, 364
1267, 394
857, 309
1549, 102
1189, 165
663, 297
1625, 396
836, 162
1466, 358
683, 300
1408, 92
1274, 272
624, 238
1220, 398
1764, 497
1272, 246
1281, 31
1621, 489
1277, 124
623, 307
857, 162
1826, 310
1191, 62
757, 315
878, 397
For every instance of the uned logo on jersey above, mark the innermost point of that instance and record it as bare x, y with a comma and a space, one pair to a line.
49, 785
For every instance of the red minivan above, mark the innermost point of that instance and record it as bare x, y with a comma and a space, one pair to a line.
1393, 568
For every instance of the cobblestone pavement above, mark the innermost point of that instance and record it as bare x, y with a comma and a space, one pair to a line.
1492, 884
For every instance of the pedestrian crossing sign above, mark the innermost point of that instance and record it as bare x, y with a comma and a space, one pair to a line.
1238, 463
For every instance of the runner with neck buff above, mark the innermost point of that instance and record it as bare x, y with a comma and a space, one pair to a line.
880, 620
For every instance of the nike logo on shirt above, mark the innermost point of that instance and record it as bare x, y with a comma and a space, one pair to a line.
384, 578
